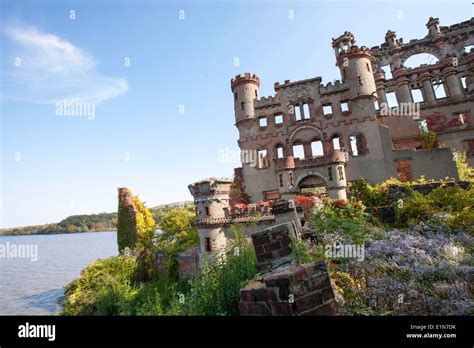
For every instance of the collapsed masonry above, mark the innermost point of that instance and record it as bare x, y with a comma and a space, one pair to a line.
286, 289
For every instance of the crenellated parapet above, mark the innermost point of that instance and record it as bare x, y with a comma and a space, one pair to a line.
266, 101
329, 87
244, 78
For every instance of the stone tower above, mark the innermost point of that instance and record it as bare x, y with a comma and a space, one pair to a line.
355, 65
245, 89
211, 199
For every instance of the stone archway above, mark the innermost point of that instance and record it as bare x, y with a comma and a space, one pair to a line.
312, 182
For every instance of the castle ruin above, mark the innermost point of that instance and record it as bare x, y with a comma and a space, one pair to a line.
319, 137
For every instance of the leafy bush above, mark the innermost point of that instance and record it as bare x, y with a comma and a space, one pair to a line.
215, 289
428, 139
464, 170
349, 220
100, 283
452, 206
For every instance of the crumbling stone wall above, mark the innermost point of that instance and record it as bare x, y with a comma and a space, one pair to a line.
287, 289
290, 291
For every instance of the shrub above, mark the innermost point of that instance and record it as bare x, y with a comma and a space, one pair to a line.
428, 139
452, 206
464, 170
215, 289
351, 221
100, 284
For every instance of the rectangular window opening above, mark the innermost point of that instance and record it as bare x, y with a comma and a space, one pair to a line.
439, 91
417, 95
278, 119
327, 109
344, 106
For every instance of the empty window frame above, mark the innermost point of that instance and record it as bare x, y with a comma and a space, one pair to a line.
358, 144
336, 142
298, 151
306, 113
391, 99
279, 151
330, 173
417, 95
327, 109
464, 82
439, 91
278, 119
207, 245
262, 158
262, 121
317, 148
344, 106
297, 111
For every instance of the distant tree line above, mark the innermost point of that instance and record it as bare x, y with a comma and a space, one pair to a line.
90, 222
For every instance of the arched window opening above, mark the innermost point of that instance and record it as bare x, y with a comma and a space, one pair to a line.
418, 59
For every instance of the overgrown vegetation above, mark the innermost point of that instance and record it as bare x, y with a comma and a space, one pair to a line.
428, 139
422, 269
125, 285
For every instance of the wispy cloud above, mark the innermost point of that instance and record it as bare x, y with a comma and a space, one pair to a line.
52, 69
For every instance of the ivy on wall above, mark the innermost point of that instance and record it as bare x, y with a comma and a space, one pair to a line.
135, 224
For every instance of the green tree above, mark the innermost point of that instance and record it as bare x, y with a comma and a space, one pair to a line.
178, 231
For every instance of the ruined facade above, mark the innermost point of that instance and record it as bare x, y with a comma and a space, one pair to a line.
346, 131
318, 136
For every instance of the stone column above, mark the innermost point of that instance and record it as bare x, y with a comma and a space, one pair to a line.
428, 92
452, 81
379, 83
402, 91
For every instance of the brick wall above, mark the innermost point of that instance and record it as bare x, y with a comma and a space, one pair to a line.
290, 291
272, 244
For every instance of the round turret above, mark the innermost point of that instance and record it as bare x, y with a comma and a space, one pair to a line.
246, 90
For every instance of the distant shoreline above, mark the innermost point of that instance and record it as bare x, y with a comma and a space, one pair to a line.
51, 233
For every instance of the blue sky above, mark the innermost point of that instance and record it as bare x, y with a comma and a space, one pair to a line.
54, 166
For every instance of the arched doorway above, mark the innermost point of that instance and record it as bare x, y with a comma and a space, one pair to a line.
312, 185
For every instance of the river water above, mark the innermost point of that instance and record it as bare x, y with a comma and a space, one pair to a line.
33, 284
